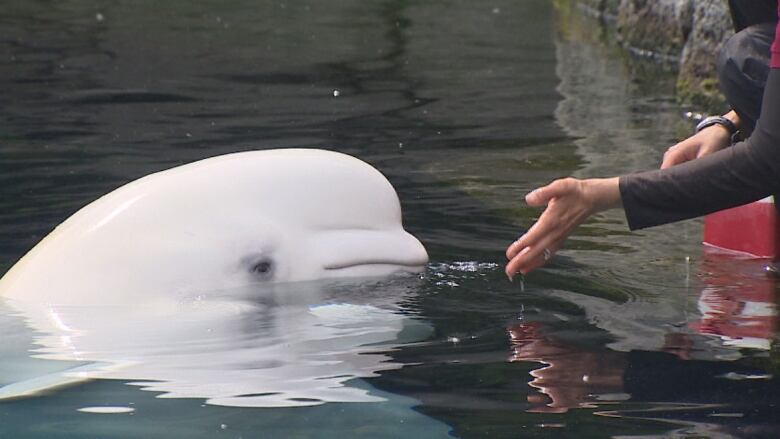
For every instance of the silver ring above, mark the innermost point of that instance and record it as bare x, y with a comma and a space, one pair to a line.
547, 254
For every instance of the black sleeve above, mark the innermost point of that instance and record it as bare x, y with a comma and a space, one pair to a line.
746, 13
745, 172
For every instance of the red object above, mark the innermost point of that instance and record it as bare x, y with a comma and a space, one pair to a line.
775, 62
752, 229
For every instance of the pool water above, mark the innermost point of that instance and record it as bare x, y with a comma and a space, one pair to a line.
465, 107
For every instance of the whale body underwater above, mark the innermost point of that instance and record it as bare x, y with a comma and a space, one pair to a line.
240, 219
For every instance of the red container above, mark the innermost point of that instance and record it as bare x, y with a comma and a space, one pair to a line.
752, 229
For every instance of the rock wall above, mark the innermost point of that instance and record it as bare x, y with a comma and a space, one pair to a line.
711, 27
685, 33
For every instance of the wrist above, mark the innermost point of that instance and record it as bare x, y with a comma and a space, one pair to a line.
734, 118
722, 122
603, 193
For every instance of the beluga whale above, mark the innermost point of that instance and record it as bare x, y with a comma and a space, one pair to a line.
246, 218
206, 281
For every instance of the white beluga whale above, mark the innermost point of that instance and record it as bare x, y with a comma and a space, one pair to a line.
224, 222
205, 281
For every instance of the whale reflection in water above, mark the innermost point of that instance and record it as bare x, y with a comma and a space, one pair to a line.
288, 345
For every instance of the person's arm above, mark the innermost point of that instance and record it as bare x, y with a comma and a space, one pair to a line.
745, 172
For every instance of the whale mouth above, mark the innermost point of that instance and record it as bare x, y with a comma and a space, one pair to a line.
370, 252
387, 263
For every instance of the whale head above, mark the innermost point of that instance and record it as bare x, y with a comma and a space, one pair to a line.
230, 221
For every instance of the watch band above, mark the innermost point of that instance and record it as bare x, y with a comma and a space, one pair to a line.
717, 120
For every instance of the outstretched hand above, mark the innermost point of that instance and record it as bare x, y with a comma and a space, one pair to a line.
569, 202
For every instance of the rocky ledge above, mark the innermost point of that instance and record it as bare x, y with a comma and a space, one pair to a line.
685, 33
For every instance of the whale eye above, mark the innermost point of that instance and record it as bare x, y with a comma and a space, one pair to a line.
263, 268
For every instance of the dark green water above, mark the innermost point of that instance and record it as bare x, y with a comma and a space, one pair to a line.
465, 106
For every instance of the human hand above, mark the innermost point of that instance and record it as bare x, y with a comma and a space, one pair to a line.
709, 140
569, 202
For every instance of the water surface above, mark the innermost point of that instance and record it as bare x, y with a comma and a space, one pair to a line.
465, 106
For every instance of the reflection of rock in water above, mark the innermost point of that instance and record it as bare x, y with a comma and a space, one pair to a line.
292, 346
622, 129
599, 109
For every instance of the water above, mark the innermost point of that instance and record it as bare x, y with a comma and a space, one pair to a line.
465, 106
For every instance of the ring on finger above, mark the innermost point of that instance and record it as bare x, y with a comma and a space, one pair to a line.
547, 254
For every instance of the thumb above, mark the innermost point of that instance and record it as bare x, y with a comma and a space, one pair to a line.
543, 195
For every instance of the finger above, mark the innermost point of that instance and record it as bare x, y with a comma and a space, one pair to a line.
678, 153
668, 161
543, 195
672, 158
532, 235
531, 256
515, 265
513, 249
545, 228
529, 259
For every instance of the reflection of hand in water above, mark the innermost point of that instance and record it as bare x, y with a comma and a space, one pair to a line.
679, 344
571, 377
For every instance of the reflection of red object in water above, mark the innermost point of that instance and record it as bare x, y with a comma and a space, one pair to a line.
741, 320
752, 229
737, 302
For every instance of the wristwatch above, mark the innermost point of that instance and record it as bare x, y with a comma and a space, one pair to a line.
717, 120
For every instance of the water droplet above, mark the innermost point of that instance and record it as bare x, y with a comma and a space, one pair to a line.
222, 426
99, 17
496, 10
453, 340
553, 425
336, 93
726, 415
